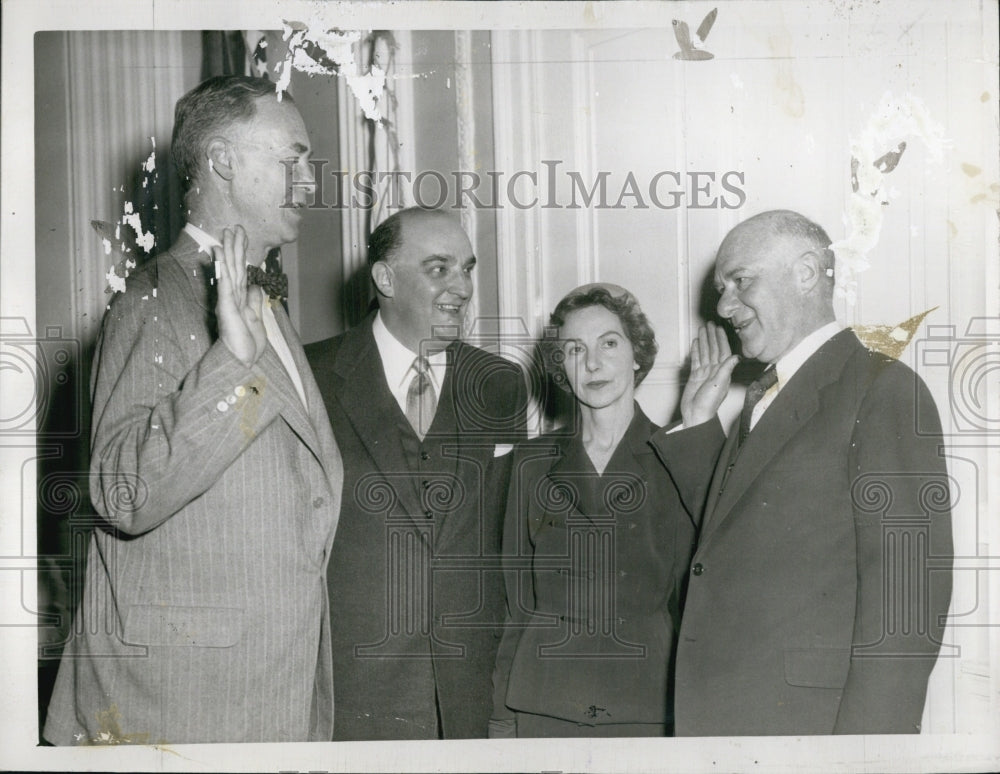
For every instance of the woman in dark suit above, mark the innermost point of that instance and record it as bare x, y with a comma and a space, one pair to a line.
597, 544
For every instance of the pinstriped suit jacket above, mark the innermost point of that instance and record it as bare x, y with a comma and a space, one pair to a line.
204, 617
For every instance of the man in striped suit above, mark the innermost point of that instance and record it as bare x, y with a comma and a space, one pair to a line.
205, 614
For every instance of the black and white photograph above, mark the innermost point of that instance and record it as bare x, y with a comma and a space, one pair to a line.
515, 386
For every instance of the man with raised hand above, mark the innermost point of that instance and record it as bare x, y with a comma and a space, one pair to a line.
822, 575
204, 617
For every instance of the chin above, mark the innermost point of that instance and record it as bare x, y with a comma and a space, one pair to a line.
449, 330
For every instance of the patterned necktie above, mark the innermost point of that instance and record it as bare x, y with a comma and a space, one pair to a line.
755, 392
274, 284
421, 402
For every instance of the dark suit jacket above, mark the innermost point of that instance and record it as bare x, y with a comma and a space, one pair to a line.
596, 568
416, 590
204, 617
821, 579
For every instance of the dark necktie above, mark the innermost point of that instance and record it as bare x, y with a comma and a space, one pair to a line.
755, 392
274, 283
421, 402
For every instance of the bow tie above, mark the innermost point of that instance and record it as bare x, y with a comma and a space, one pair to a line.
275, 284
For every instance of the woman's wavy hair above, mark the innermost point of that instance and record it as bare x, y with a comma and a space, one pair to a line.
624, 307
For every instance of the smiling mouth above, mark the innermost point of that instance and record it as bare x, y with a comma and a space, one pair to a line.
598, 384
449, 308
739, 328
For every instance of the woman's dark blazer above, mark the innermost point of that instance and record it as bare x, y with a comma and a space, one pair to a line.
595, 567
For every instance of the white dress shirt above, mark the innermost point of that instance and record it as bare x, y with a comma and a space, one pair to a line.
397, 363
791, 362
274, 337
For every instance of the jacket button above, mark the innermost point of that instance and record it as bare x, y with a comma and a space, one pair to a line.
425, 484
424, 456
318, 502
429, 514
697, 569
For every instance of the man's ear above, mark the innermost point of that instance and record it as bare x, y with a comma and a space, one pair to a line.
809, 270
221, 160
382, 276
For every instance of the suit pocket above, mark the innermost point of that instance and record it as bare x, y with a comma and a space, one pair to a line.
817, 667
181, 625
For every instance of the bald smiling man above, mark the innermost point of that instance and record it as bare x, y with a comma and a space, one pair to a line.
822, 575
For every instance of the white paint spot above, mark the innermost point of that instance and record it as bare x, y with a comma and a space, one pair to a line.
145, 240
894, 121
337, 48
107, 246
116, 283
736, 81
899, 334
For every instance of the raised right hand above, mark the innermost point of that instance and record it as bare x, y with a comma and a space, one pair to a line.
712, 364
237, 308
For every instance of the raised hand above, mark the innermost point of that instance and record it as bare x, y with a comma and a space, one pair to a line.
238, 306
712, 364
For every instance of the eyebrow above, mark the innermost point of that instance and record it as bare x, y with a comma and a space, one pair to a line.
445, 258
729, 273
619, 334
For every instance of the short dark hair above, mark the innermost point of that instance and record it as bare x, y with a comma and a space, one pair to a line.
209, 108
625, 307
388, 235
385, 238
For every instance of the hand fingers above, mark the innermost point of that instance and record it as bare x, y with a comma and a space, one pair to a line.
711, 334
722, 343
234, 269
240, 253
695, 354
223, 276
726, 369
704, 346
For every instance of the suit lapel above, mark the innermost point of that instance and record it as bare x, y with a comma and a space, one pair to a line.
293, 412
794, 406
589, 492
373, 412
314, 398
566, 479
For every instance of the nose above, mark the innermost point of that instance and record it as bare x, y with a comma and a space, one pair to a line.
727, 304
592, 360
306, 172
460, 285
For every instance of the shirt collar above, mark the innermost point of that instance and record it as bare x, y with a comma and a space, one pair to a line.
205, 240
793, 360
397, 358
